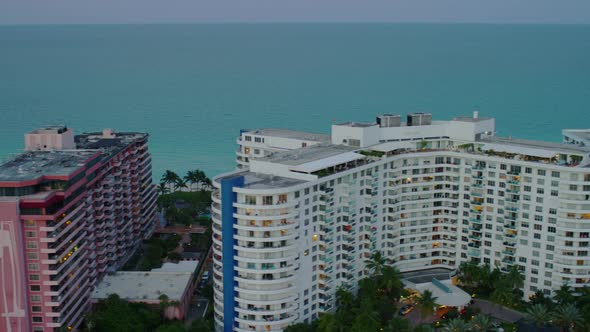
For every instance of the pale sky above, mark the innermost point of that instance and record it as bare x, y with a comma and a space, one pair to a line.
181, 11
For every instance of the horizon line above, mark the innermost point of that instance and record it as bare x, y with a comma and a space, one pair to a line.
298, 22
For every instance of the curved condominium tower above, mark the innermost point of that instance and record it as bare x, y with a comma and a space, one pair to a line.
300, 216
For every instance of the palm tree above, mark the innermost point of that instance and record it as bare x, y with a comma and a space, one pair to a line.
199, 177
514, 277
344, 297
391, 282
193, 177
327, 323
564, 295
423, 328
455, 325
568, 317
540, 298
481, 323
470, 273
366, 319
179, 184
398, 324
538, 314
170, 178
163, 189
376, 263
426, 303
342, 318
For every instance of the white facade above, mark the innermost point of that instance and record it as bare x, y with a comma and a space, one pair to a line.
306, 220
254, 144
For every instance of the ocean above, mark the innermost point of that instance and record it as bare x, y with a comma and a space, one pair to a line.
193, 87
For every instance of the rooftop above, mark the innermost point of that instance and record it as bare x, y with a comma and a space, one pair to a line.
580, 133
182, 266
308, 154
34, 164
292, 134
148, 286
57, 129
470, 119
539, 145
357, 124
109, 142
264, 181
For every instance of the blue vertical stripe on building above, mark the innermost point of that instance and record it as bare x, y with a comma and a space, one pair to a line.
228, 197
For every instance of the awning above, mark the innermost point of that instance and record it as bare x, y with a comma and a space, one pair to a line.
324, 163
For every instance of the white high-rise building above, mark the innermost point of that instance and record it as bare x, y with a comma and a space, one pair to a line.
291, 227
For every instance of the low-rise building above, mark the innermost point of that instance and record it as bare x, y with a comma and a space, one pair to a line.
173, 283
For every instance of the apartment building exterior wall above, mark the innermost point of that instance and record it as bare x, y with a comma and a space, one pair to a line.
68, 217
297, 237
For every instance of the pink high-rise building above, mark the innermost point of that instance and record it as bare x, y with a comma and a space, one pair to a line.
70, 210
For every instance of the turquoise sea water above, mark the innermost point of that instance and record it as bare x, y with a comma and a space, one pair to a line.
192, 87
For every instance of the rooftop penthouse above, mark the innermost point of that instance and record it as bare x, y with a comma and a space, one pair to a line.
355, 144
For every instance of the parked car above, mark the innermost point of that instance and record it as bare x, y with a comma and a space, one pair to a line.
406, 310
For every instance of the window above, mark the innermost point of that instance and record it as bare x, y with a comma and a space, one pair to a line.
248, 138
555, 174
34, 277
32, 255
35, 288
266, 200
30, 234
30, 223
36, 308
541, 172
37, 319
31, 244
35, 298
33, 267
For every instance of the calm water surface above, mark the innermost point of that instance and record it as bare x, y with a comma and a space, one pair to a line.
192, 87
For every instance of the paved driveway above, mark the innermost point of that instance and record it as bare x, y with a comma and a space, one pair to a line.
497, 311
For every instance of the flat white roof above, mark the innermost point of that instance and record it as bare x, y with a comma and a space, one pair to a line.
181, 266
143, 286
317, 165
452, 296
308, 154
